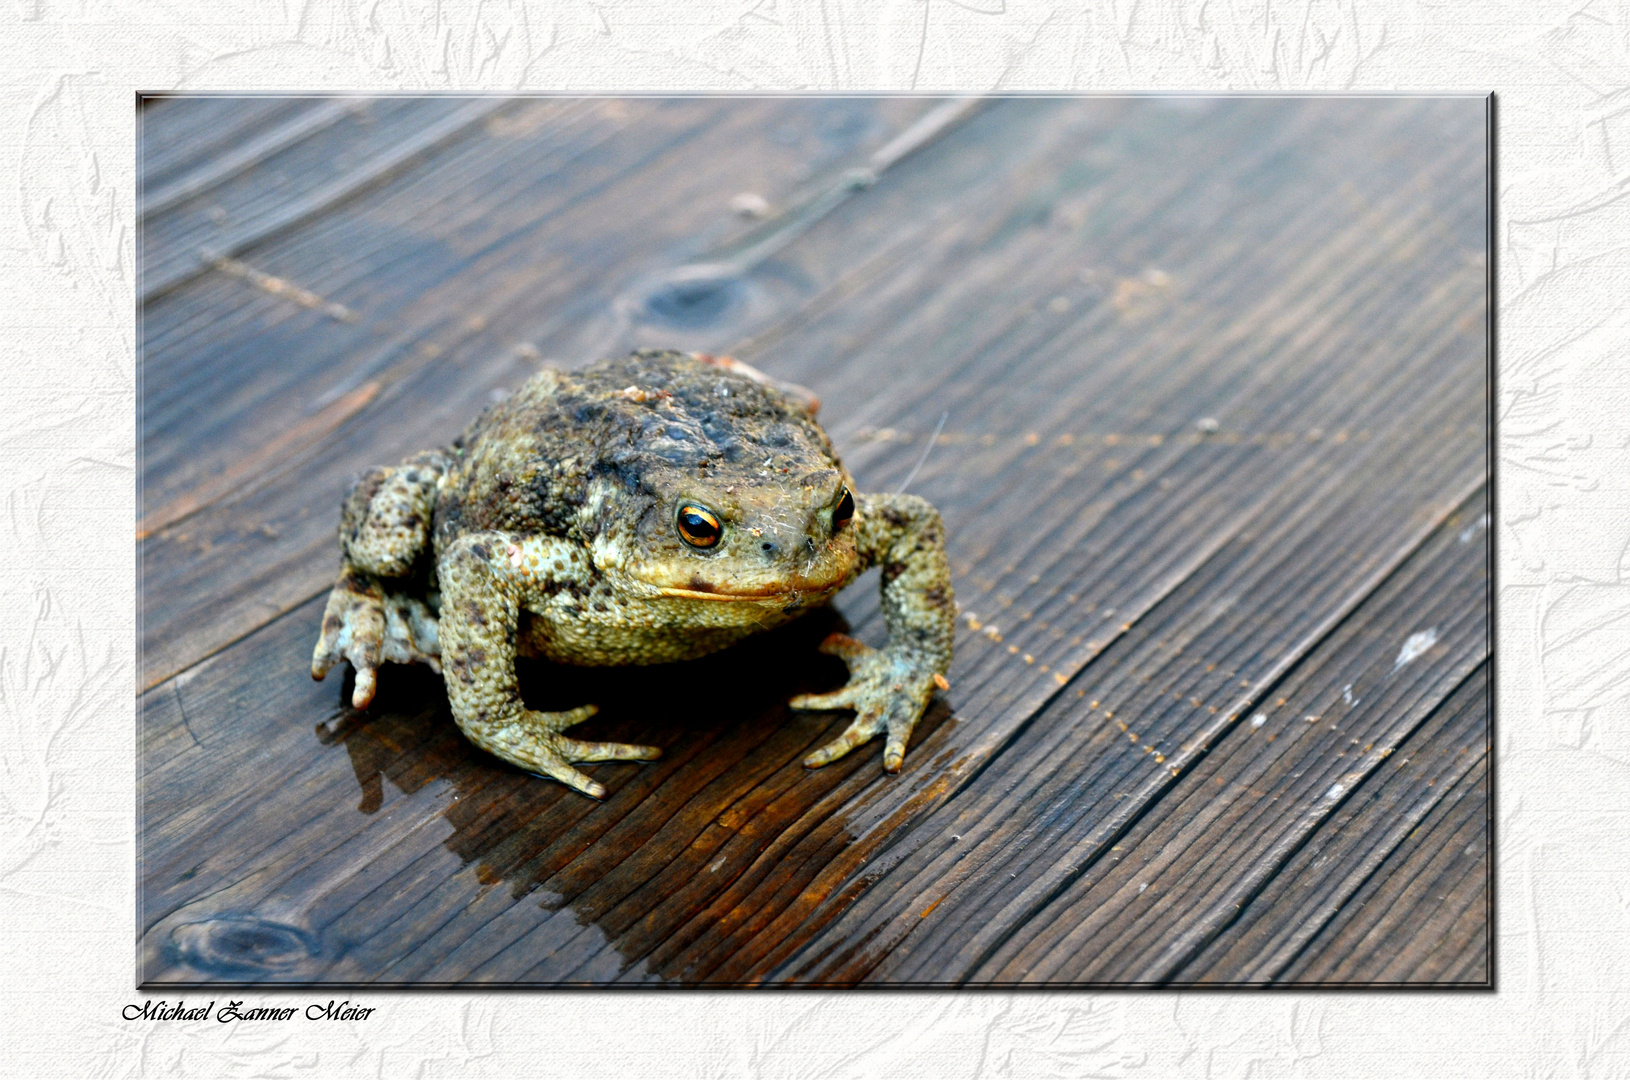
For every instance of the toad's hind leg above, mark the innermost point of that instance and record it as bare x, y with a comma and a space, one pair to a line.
486, 580
379, 609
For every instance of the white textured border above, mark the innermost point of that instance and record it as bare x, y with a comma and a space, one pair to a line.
68, 69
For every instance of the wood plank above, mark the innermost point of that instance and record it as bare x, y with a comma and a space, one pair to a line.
1228, 826
229, 158
368, 146
409, 792
180, 134
232, 549
1332, 334
1436, 894
1229, 633
1381, 841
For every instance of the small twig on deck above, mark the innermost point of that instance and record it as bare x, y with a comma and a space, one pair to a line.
912, 475
287, 289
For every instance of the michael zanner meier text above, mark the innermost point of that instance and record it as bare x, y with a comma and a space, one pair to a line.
233, 1011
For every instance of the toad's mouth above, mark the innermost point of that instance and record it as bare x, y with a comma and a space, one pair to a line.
781, 593
762, 596
723, 597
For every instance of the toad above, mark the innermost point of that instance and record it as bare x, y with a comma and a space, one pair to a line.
642, 510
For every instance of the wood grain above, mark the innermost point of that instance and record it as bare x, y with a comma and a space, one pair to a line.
226, 216
1330, 725
191, 135
1380, 841
1214, 424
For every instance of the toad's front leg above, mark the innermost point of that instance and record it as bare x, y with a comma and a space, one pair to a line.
379, 608
486, 580
889, 688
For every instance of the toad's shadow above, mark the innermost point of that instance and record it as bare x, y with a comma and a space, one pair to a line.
729, 783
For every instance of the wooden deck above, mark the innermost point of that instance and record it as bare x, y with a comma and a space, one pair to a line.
1213, 466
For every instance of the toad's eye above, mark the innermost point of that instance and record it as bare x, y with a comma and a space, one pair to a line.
843, 511
698, 526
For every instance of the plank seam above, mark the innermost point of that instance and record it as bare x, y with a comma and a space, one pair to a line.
225, 645
248, 156
1380, 859
333, 194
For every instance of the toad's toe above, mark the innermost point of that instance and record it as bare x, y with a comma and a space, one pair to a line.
888, 691
534, 744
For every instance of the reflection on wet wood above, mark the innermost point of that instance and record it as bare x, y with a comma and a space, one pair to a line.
1212, 460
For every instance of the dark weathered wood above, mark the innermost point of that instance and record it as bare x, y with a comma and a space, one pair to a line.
1374, 846
1072, 779
1210, 381
1443, 462
179, 136
497, 237
391, 253
1137, 910
240, 153
187, 235
1427, 916
368, 779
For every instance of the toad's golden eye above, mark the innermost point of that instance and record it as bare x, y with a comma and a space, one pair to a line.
843, 511
698, 526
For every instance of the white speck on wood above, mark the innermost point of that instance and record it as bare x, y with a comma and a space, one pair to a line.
1416, 644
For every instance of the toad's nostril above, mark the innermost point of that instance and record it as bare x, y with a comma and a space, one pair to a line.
767, 546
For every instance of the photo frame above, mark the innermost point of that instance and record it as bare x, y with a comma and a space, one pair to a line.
1200, 387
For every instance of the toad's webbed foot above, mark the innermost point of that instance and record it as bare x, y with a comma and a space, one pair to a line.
888, 689
533, 741
368, 623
